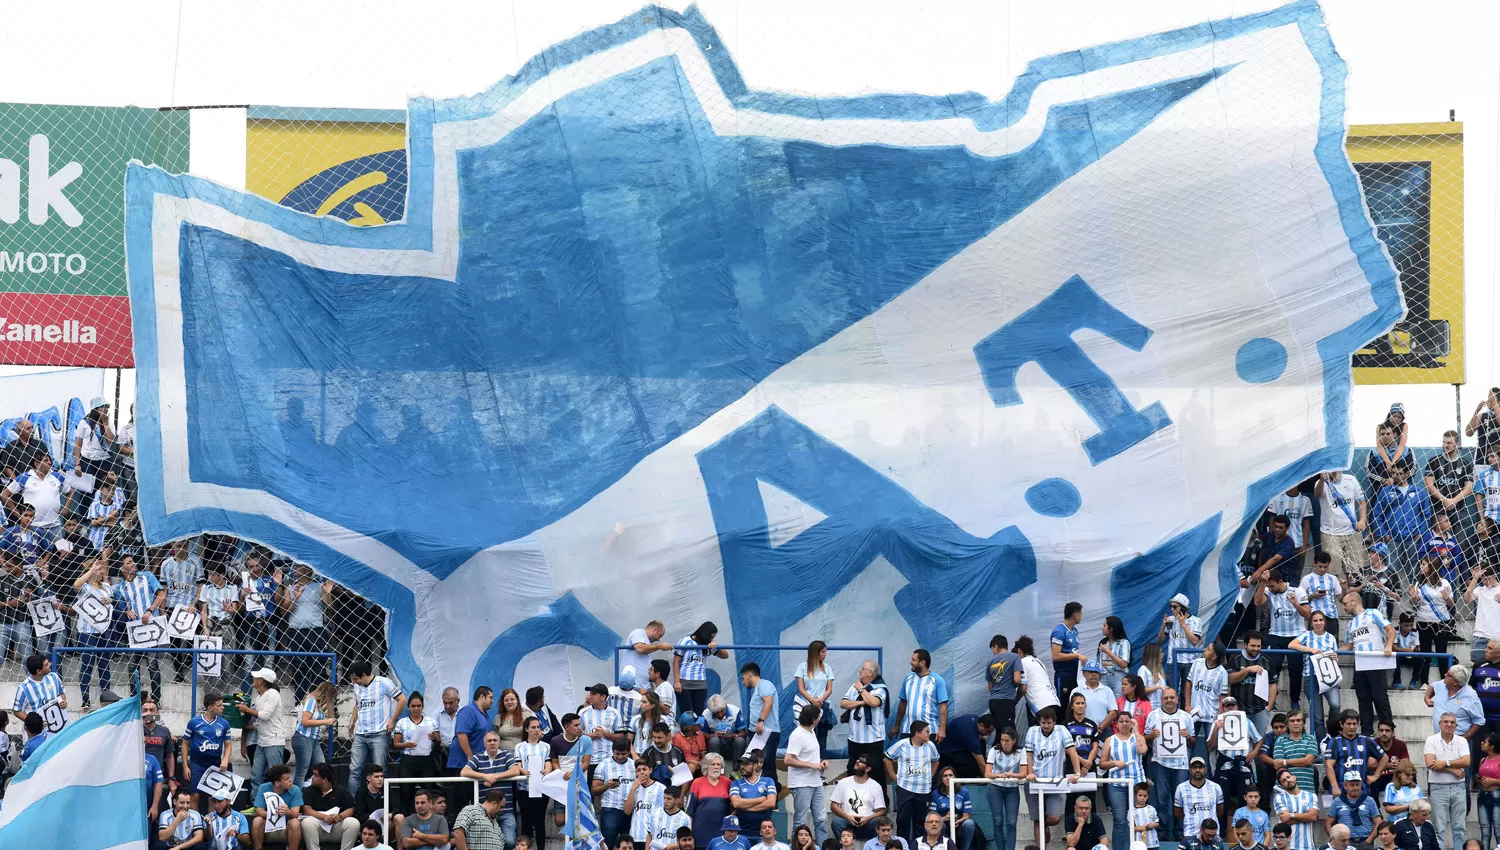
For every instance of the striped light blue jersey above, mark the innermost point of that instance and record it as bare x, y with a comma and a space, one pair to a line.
1296, 508
922, 695
614, 798
137, 594
528, 753
1118, 647
102, 594
1407, 641
1286, 620
1006, 762
647, 800
625, 703
214, 597
1208, 683
1299, 803
867, 723
1142, 816
1332, 590
33, 694
232, 823
642, 738
1177, 639
913, 764
376, 702
1169, 748
1123, 749
1394, 796
1324, 642
1047, 754
101, 510
182, 580
1198, 804
1488, 485
691, 668
605, 718
190, 824
662, 827
310, 706
1366, 631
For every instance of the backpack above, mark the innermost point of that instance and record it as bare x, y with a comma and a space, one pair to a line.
10, 755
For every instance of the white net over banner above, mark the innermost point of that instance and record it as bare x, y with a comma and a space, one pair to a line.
624, 338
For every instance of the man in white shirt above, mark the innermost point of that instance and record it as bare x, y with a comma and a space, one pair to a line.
446, 717
642, 643
270, 724
1099, 699
42, 488
768, 835
1447, 755
804, 775
1344, 515
858, 802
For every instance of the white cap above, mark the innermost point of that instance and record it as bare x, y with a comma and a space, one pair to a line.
265, 673
1181, 599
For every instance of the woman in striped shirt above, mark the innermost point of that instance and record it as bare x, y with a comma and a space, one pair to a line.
1401, 792
815, 687
1318, 641
689, 674
1433, 597
533, 810
1004, 764
1113, 655
652, 713
312, 727
1120, 755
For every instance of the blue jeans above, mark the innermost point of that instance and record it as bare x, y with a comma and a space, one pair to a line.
1450, 805
862, 834
1164, 782
307, 752
265, 759
1118, 797
20, 635
507, 821
1489, 817
611, 823
965, 834
811, 800
1005, 807
370, 746
92, 660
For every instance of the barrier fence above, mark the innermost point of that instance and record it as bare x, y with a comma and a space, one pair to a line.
194, 706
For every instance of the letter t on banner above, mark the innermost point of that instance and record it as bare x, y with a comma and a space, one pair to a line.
1044, 335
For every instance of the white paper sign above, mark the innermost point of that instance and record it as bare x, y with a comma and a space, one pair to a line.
534, 765
55, 716
94, 611
326, 826
255, 601
759, 741
275, 813
182, 623
209, 665
214, 781
1263, 688
682, 775
1374, 661
146, 635
554, 786
46, 617
1234, 733
1172, 738
1325, 668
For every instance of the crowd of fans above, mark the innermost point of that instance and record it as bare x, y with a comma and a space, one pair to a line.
1208, 745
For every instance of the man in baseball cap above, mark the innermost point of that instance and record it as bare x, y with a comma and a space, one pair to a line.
1099, 699
270, 724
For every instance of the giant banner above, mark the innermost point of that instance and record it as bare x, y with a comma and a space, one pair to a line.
62, 216
886, 370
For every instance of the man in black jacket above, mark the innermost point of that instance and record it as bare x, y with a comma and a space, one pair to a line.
1416, 831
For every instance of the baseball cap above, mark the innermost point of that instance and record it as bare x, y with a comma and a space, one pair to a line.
1353, 776
265, 673
1197, 760
222, 794
687, 718
1092, 667
1223, 701
1380, 549
627, 678
598, 688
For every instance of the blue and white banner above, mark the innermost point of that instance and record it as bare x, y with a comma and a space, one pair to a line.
84, 788
892, 370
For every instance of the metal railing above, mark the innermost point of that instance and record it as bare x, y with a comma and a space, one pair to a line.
193, 706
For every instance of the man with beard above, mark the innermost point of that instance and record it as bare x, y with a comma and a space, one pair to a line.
858, 802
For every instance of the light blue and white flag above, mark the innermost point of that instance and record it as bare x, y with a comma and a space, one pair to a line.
84, 788
887, 370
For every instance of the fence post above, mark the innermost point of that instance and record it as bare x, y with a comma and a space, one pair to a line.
333, 676
193, 697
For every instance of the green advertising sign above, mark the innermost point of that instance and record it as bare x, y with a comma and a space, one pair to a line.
62, 215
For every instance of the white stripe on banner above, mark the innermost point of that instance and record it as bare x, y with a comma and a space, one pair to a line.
91, 751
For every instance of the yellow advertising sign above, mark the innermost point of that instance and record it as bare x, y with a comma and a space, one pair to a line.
1413, 180
348, 163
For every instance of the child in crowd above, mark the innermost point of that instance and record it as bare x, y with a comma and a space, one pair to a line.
1260, 819
1145, 821
1406, 641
